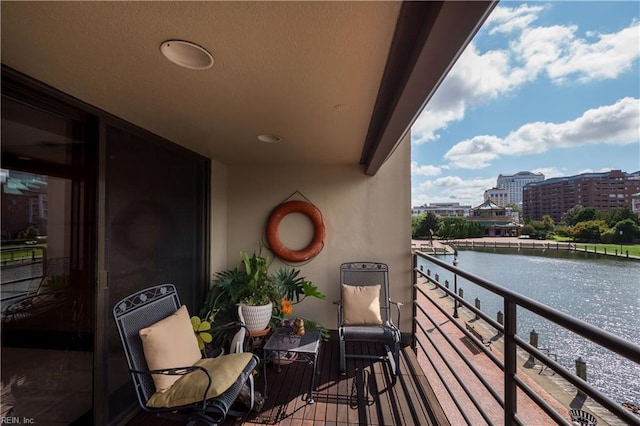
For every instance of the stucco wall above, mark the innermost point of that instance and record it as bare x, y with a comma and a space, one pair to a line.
367, 218
218, 209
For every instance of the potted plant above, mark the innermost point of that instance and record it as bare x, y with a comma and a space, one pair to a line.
251, 285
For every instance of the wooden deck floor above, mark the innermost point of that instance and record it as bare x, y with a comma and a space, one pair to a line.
367, 395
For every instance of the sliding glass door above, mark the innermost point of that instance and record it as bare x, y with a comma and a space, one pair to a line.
48, 262
93, 209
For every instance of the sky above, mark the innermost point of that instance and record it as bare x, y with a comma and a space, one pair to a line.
549, 87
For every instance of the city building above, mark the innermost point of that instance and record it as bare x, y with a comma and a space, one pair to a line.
443, 209
497, 220
635, 203
500, 196
602, 191
514, 184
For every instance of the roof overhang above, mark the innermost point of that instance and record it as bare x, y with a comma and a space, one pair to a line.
340, 82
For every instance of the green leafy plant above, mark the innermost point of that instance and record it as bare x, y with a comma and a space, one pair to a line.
250, 282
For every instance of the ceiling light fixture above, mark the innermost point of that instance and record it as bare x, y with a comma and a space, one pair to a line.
269, 138
187, 54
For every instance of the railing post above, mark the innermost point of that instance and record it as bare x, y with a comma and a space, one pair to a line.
455, 285
414, 308
500, 318
533, 341
477, 306
581, 371
461, 293
510, 388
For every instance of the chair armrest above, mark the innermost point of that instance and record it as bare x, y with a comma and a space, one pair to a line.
398, 306
181, 371
338, 303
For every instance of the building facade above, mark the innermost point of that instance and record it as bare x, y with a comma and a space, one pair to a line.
500, 196
497, 220
443, 209
514, 184
602, 191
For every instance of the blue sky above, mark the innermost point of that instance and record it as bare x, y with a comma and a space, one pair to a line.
551, 87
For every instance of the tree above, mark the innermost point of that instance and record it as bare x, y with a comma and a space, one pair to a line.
612, 217
586, 214
528, 229
568, 217
625, 230
589, 230
548, 223
425, 225
453, 227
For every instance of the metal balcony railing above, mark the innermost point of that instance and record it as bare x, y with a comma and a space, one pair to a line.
507, 331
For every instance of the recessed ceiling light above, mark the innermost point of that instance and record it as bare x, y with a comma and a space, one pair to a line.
187, 54
269, 138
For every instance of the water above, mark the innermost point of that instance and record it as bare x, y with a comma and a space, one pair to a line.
604, 292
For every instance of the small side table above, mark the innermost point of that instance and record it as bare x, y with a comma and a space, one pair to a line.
284, 345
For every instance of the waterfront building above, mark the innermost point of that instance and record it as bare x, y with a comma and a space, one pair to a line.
602, 191
497, 220
514, 184
635, 203
500, 196
443, 209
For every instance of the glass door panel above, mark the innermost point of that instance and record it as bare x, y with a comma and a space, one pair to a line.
47, 286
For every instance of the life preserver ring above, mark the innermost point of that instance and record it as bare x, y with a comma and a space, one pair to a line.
319, 232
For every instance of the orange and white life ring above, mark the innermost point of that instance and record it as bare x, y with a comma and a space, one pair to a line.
319, 231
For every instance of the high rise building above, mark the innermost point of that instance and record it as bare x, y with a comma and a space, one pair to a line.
500, 196
602, 191
514, 184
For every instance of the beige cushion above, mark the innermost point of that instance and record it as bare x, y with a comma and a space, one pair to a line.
361, 304
190, 388
170, 343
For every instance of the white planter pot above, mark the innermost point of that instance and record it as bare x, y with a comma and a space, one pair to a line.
255, 318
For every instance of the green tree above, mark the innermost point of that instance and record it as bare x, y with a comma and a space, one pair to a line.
425, 225
528, 229
585, 215
612, 217
548, 223
453, 227
568, 217
625, 230
589, 230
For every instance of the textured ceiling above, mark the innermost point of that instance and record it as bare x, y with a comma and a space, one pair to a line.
280, 67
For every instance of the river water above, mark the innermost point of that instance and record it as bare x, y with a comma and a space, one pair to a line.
602, 291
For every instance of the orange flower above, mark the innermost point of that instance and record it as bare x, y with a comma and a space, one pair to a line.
286, 306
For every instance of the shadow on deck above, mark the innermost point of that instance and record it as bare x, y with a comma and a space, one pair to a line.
367, 395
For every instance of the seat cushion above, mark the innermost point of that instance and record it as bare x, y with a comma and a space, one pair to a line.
190, 388
361, 304
170, 343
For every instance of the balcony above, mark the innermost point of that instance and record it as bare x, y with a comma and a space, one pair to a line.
447, 375
366, 395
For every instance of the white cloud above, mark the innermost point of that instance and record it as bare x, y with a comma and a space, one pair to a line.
608, 57
452, 189
617, 124
600, 170
425, 170
507, 20
555, 51
550, 172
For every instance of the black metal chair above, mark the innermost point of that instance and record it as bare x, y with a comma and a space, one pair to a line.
144, 309
582, 418
364, 312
